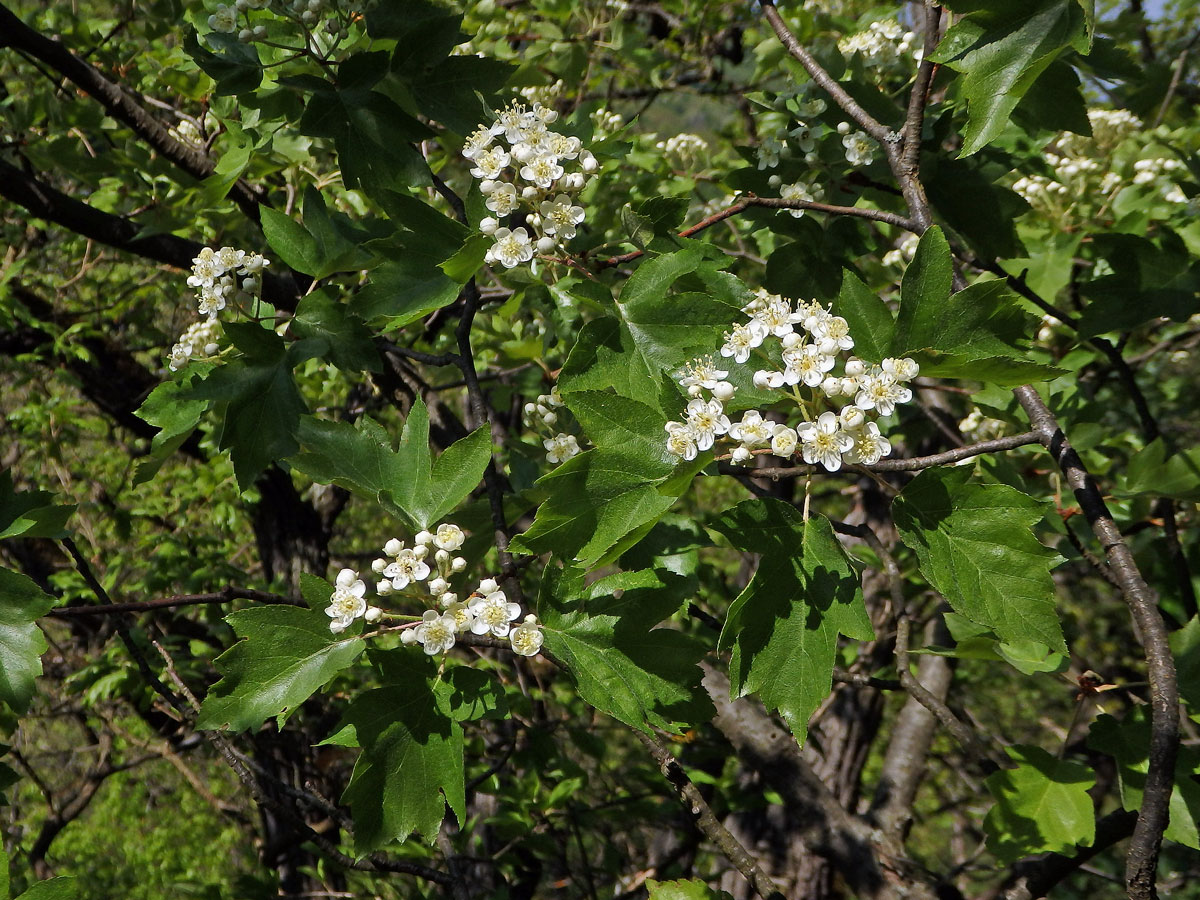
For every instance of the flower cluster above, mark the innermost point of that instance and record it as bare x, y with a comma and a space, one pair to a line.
810, 353
219, 277
542, 416
859, 147
234, 17
882, 45
1096, 169
683, 150
199, 341
406, 572
528, 176
783, 137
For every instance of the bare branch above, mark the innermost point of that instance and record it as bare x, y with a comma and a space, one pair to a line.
223, 596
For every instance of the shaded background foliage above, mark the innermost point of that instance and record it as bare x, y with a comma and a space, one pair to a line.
109, 782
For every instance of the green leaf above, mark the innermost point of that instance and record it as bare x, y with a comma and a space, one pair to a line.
1041, 805
174, 415
403, 290
869, 318
290, 240
654, 330
691, 889
924, 290
1001, 50
1151, 473
975, 545
22, 643
622, 665
235, 67
1128, 742
412, 754
60, 888
467, 259
783, 628
30, 513
345, 339
261, 404
600, 502
1185, 647
285, 655
411, 487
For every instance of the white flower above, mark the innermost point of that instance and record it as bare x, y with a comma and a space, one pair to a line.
477, 141
776, 316
435, 633
804, 138
784, 440
768, 153
407, 568
199, 340
752, 431
824, 441
560, 448
860, 151
701, 372
742, 339
346, 603
457, 610
562, 146
511, 248
800, 191
869, 445
490, 163
493, 613
527, 638
681, 440
903, 369
881, 392
503, 199
707, 420
448, 537
833, 334
542, 171
559, 217
224, 19
808, 364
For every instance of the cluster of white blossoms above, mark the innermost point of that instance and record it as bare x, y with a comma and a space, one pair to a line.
781, 138
219, 277
234, 17
542, 416
528, 176
201, 340
545, 94
683, 150
1087, 171
882, 45
810, 353
406, 572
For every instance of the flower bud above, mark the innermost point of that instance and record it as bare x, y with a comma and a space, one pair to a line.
573, 181
723, 390
378, 565
383, 588
408, 636
423, 537
529, 192
761, 379
488, 586
855, 367
550, 418
438, 586
694, 390
442, 558
741, 456
774, 181
457, 564
346, 577
546, 245
420, 551
587, 161
843, 128
488, 225
393, 547
447, 598
373, 614
488, 186
212, 349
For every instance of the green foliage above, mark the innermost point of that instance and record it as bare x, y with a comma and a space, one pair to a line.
22, 644
1001, 50
284, 655
30, 513
974, 544
412, 754
620, 663
1041, 805
783, 628
692, 889
407, 482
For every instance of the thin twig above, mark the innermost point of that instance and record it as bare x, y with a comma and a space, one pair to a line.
223, 596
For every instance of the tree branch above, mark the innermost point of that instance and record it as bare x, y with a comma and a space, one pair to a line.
121, 106
1142, 858
224, 596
